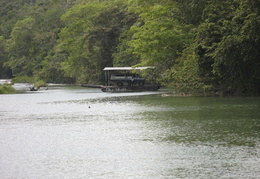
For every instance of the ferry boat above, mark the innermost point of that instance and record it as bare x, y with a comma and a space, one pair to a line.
124, 79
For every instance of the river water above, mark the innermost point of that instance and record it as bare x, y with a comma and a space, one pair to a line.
72, 132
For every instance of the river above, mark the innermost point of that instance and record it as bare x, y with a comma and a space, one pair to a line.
73, 132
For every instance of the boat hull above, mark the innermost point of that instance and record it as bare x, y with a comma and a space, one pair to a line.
130, 88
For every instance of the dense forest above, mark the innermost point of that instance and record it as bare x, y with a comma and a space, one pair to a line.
196, 45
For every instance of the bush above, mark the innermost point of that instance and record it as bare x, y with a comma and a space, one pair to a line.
6, 89
40, 83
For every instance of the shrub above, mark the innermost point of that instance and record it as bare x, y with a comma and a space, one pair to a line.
6, 89
40, 83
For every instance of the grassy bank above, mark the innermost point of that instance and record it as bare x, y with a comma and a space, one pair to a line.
6, 89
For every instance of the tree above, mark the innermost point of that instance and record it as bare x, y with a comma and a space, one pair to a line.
9, 13
228, 46
205, 44
22, 48
159, 37
33, 38
123, 56
91, 37
4, 72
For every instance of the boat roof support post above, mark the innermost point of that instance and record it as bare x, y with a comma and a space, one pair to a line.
105, 78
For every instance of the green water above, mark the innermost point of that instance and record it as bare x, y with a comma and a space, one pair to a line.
217, 120
72, 132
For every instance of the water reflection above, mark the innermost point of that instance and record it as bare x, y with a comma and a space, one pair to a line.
84, 133
226, 121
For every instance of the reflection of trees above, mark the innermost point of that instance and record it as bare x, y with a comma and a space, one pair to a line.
195, 120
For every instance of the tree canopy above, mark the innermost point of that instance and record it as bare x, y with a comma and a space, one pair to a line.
196, 45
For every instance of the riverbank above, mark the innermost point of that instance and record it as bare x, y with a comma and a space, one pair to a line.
6, 89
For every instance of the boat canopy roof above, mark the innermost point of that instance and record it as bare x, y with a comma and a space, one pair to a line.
127, 68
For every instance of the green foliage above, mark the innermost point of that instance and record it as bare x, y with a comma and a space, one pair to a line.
190, 11
237, 55
229, 46
40, 83
24, 79
123, 56
52, 71
4, 72
6, 89
91, 37
159, 38
196, 45
22, 48
33, 36
184, 76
